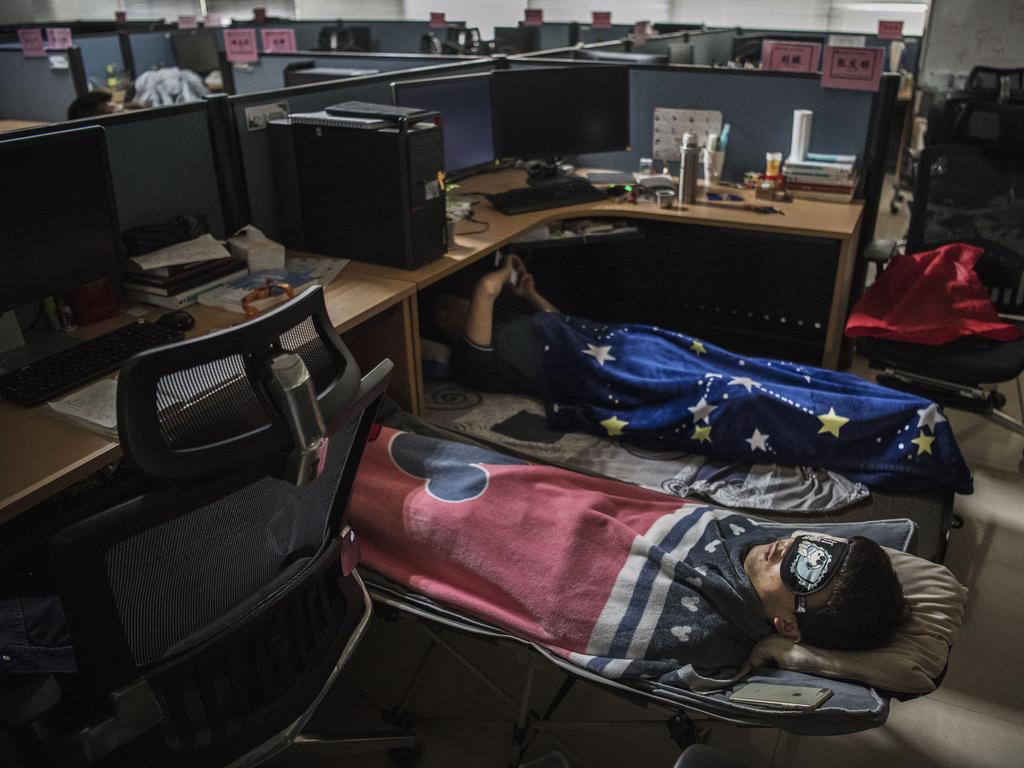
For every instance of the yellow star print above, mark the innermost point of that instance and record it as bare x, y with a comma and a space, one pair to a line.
698, 347
923, 443
614, 426
702, 434
831, 422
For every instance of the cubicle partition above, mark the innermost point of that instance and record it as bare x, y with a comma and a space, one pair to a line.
31, 89
757, 105
268, 73
591, 34
712, 46
558, 34
149, 50
162, 163
98, 51
253, 148
908, 61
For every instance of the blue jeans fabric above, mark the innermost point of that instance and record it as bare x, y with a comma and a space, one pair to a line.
34, 636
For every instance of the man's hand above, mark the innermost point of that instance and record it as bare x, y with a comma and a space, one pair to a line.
491, 284
525, 288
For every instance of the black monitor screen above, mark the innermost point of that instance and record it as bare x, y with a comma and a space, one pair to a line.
465, 107
554, 112
196, 49
58, 223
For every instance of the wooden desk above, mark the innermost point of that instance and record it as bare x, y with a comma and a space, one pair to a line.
41, 455
17, 125
803, 218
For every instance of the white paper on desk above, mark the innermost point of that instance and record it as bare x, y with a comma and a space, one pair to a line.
94, 407
299, 272
202, 248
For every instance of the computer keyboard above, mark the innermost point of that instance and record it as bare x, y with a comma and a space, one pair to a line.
554, 194
46, 378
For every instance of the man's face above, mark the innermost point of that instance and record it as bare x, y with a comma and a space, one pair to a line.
762, 566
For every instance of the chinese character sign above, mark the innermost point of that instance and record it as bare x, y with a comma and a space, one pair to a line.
31, 42
890, 30
240, 45
785, 56
856, 69
278, 40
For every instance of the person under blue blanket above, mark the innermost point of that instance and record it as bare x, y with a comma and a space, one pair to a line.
662, 388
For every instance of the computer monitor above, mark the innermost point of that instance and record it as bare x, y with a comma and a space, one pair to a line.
195, 49
559, 111
465, 106
58, 217
521, 39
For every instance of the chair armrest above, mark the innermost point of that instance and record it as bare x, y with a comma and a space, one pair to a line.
880, 251
23, 698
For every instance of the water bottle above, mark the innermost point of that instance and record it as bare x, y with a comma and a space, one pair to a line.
689, 156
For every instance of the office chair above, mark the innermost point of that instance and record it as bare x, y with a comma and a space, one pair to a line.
966, 194
430, 43
211, 613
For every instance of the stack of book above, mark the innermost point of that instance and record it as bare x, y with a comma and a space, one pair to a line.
832, 178
174, 277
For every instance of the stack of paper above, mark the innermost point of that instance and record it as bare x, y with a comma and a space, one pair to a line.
94, 408
174, 276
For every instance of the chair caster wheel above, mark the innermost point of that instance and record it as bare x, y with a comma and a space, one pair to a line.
406, 757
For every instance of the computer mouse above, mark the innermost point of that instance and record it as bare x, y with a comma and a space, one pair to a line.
179, 320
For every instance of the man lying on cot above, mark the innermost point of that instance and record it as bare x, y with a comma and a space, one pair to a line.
623, 581
668, 390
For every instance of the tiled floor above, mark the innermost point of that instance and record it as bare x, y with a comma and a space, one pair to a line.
976, 718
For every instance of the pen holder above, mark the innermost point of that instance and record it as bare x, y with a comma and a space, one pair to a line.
665, 197
713, 161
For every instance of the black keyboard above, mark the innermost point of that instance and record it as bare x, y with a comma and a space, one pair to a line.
554, 194
44, 379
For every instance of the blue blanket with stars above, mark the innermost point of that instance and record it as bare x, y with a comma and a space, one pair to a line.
660, 388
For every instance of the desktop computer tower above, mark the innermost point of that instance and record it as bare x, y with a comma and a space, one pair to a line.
367, 193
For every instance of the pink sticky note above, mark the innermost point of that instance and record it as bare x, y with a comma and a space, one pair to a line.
640, 31
437, 20
278, 40
787, 56
187, 22
58, 37
534, 17
31, 42
240, 45
890, 30
259, 15
601, 19
120, 17
857, 69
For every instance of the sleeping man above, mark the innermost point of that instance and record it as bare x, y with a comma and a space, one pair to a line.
668, 390
623, 581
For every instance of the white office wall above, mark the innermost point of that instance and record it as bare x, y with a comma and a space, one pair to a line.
381, 10
16, 11
623, 11
858, 16
963, 34
485, 14
780, 14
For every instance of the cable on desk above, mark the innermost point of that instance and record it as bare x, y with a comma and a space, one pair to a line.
485, 225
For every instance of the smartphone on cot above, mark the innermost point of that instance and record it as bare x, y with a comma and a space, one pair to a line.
781, 696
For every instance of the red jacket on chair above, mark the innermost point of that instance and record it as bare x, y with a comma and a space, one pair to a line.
933, 297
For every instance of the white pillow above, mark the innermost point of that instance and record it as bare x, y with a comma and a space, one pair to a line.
918, 652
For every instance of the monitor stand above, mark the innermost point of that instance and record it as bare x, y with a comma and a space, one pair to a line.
18, 349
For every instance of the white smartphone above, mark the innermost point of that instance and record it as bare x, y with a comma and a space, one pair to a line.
781, 696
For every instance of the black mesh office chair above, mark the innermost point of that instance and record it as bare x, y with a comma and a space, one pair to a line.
966, 194
210, 614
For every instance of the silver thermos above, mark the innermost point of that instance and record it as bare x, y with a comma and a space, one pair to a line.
689, 156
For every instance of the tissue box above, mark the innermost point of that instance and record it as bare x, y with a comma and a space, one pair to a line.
257, 249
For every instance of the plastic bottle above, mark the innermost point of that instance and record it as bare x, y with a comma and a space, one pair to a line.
689, 160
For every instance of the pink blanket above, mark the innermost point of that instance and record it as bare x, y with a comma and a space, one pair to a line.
624, 581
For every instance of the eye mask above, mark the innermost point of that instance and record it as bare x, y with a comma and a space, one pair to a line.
810, 563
